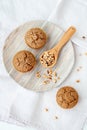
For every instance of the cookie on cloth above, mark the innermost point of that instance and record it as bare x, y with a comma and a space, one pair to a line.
67, 97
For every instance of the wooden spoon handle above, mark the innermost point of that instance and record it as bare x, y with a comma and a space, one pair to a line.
65, 38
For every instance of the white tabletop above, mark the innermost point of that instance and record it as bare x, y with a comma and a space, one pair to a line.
6, 126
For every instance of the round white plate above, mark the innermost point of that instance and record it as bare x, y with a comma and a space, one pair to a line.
15, 42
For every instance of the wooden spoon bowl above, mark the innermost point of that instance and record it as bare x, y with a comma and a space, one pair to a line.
49, 58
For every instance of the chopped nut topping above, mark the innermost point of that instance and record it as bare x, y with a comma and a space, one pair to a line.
47, 59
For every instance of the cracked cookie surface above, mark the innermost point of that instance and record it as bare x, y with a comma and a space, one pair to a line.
24, 61
67, 97
35, 38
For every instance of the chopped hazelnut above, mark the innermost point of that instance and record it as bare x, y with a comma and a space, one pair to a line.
47, 59
46, 82
38, 75
55, 73
55, 80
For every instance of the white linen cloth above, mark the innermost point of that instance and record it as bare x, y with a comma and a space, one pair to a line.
27, 108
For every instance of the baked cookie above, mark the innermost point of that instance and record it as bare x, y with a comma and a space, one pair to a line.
24, 61
67, 97
35, 38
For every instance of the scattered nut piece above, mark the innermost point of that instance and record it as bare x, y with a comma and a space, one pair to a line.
49, 71
50, 77
55, 74
83, 37
46, 82
44, 76
55, 80
38, 75
77, 81
46, 109
56, 117
58, 77
79, 68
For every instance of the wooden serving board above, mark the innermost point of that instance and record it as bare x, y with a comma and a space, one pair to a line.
15, 42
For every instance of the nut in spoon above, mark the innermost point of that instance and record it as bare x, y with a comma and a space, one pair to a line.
49, 58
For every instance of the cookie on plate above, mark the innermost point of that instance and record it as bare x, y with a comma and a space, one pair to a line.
35, 38
24, 61
67, 97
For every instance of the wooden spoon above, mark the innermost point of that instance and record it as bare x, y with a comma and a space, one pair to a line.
50, 57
